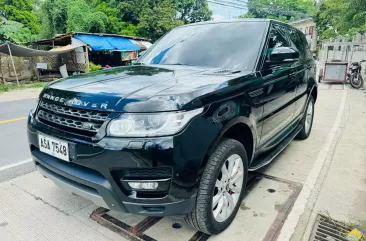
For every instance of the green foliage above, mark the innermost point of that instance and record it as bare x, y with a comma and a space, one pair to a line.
128, 29
191, 11
341, 17
14, 32
158, 19
9, 87
146, 18
20, 11
94, 67
283, 10
25, 19
61, 16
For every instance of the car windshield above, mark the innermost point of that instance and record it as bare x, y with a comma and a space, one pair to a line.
233, 46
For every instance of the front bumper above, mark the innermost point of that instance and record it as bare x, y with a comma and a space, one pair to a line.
95, 168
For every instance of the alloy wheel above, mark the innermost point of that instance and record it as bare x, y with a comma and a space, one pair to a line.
228, 188
309, 117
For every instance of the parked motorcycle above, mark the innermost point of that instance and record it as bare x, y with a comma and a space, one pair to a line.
354, 75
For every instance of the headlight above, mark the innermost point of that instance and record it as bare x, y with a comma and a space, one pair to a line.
34, 109
151, 124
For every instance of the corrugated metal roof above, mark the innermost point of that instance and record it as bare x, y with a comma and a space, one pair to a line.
65, 39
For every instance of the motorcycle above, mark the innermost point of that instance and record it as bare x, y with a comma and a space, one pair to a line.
354, 75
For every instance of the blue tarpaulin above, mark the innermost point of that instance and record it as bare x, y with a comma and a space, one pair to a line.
98, 43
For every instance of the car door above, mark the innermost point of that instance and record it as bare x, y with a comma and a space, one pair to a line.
279, 88
300, 69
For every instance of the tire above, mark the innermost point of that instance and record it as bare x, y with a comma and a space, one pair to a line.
202, 216
356, 83
307, 126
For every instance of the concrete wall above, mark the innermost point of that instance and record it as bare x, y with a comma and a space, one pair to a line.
23, 68
344, 50
26, 67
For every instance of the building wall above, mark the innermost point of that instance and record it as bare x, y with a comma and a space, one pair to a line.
23, 68
26, 70
308, 27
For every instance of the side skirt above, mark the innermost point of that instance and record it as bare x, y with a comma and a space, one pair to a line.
272, 155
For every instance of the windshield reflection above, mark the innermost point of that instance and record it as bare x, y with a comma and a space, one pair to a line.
230, 45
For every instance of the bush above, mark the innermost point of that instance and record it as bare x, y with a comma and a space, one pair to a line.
94, 67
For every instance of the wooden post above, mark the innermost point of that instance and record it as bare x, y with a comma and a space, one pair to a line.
87, 58
1, 70
12, 61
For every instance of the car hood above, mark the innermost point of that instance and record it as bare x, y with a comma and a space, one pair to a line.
140, 88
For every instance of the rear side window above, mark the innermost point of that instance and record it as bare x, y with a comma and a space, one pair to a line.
299, 42
306, 44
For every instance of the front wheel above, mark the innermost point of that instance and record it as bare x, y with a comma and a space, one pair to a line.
221, 189
356, 81
307, 120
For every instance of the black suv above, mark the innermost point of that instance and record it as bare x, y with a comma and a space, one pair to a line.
177, 132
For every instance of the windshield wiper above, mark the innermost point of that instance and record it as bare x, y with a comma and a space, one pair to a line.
227, 71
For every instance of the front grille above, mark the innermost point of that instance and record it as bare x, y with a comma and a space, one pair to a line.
78, 121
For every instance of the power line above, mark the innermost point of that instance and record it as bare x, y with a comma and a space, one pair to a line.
241, 1
231, 3
226, 4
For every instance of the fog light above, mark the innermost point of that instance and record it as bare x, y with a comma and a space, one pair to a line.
143, 185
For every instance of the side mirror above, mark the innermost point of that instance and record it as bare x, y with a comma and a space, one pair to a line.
283, 55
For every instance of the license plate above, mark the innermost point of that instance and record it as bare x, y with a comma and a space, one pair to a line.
54, 147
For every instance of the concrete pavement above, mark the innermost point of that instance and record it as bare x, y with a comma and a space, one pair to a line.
329, 167
23, 94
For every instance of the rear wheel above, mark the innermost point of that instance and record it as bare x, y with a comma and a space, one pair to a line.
307, 120
221, 189
356, 81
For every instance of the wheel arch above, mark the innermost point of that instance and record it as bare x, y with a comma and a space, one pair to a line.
314, 92
239, 129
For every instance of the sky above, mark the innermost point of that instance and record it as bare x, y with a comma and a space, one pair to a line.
224, 12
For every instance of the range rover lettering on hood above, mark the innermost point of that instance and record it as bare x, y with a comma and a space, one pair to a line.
75, 102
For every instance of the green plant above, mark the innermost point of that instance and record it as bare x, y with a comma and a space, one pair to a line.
14, 86
94, 67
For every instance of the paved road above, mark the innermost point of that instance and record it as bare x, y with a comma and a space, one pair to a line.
13, 140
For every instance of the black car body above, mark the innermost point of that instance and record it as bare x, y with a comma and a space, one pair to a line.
247, 80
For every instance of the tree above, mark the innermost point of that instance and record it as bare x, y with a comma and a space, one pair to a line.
146, 18
14, 32
283, 10
341, 17
158, 19
61, 16
191, 11
20, 11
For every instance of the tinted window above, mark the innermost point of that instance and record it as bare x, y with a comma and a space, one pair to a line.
306, 44
277, 39
222, 45
298, 43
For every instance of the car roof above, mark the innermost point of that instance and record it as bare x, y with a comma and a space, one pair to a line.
238, 20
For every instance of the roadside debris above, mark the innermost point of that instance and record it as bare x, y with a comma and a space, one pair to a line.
354, 235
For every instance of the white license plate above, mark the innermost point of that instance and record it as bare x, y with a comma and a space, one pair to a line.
54, 147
